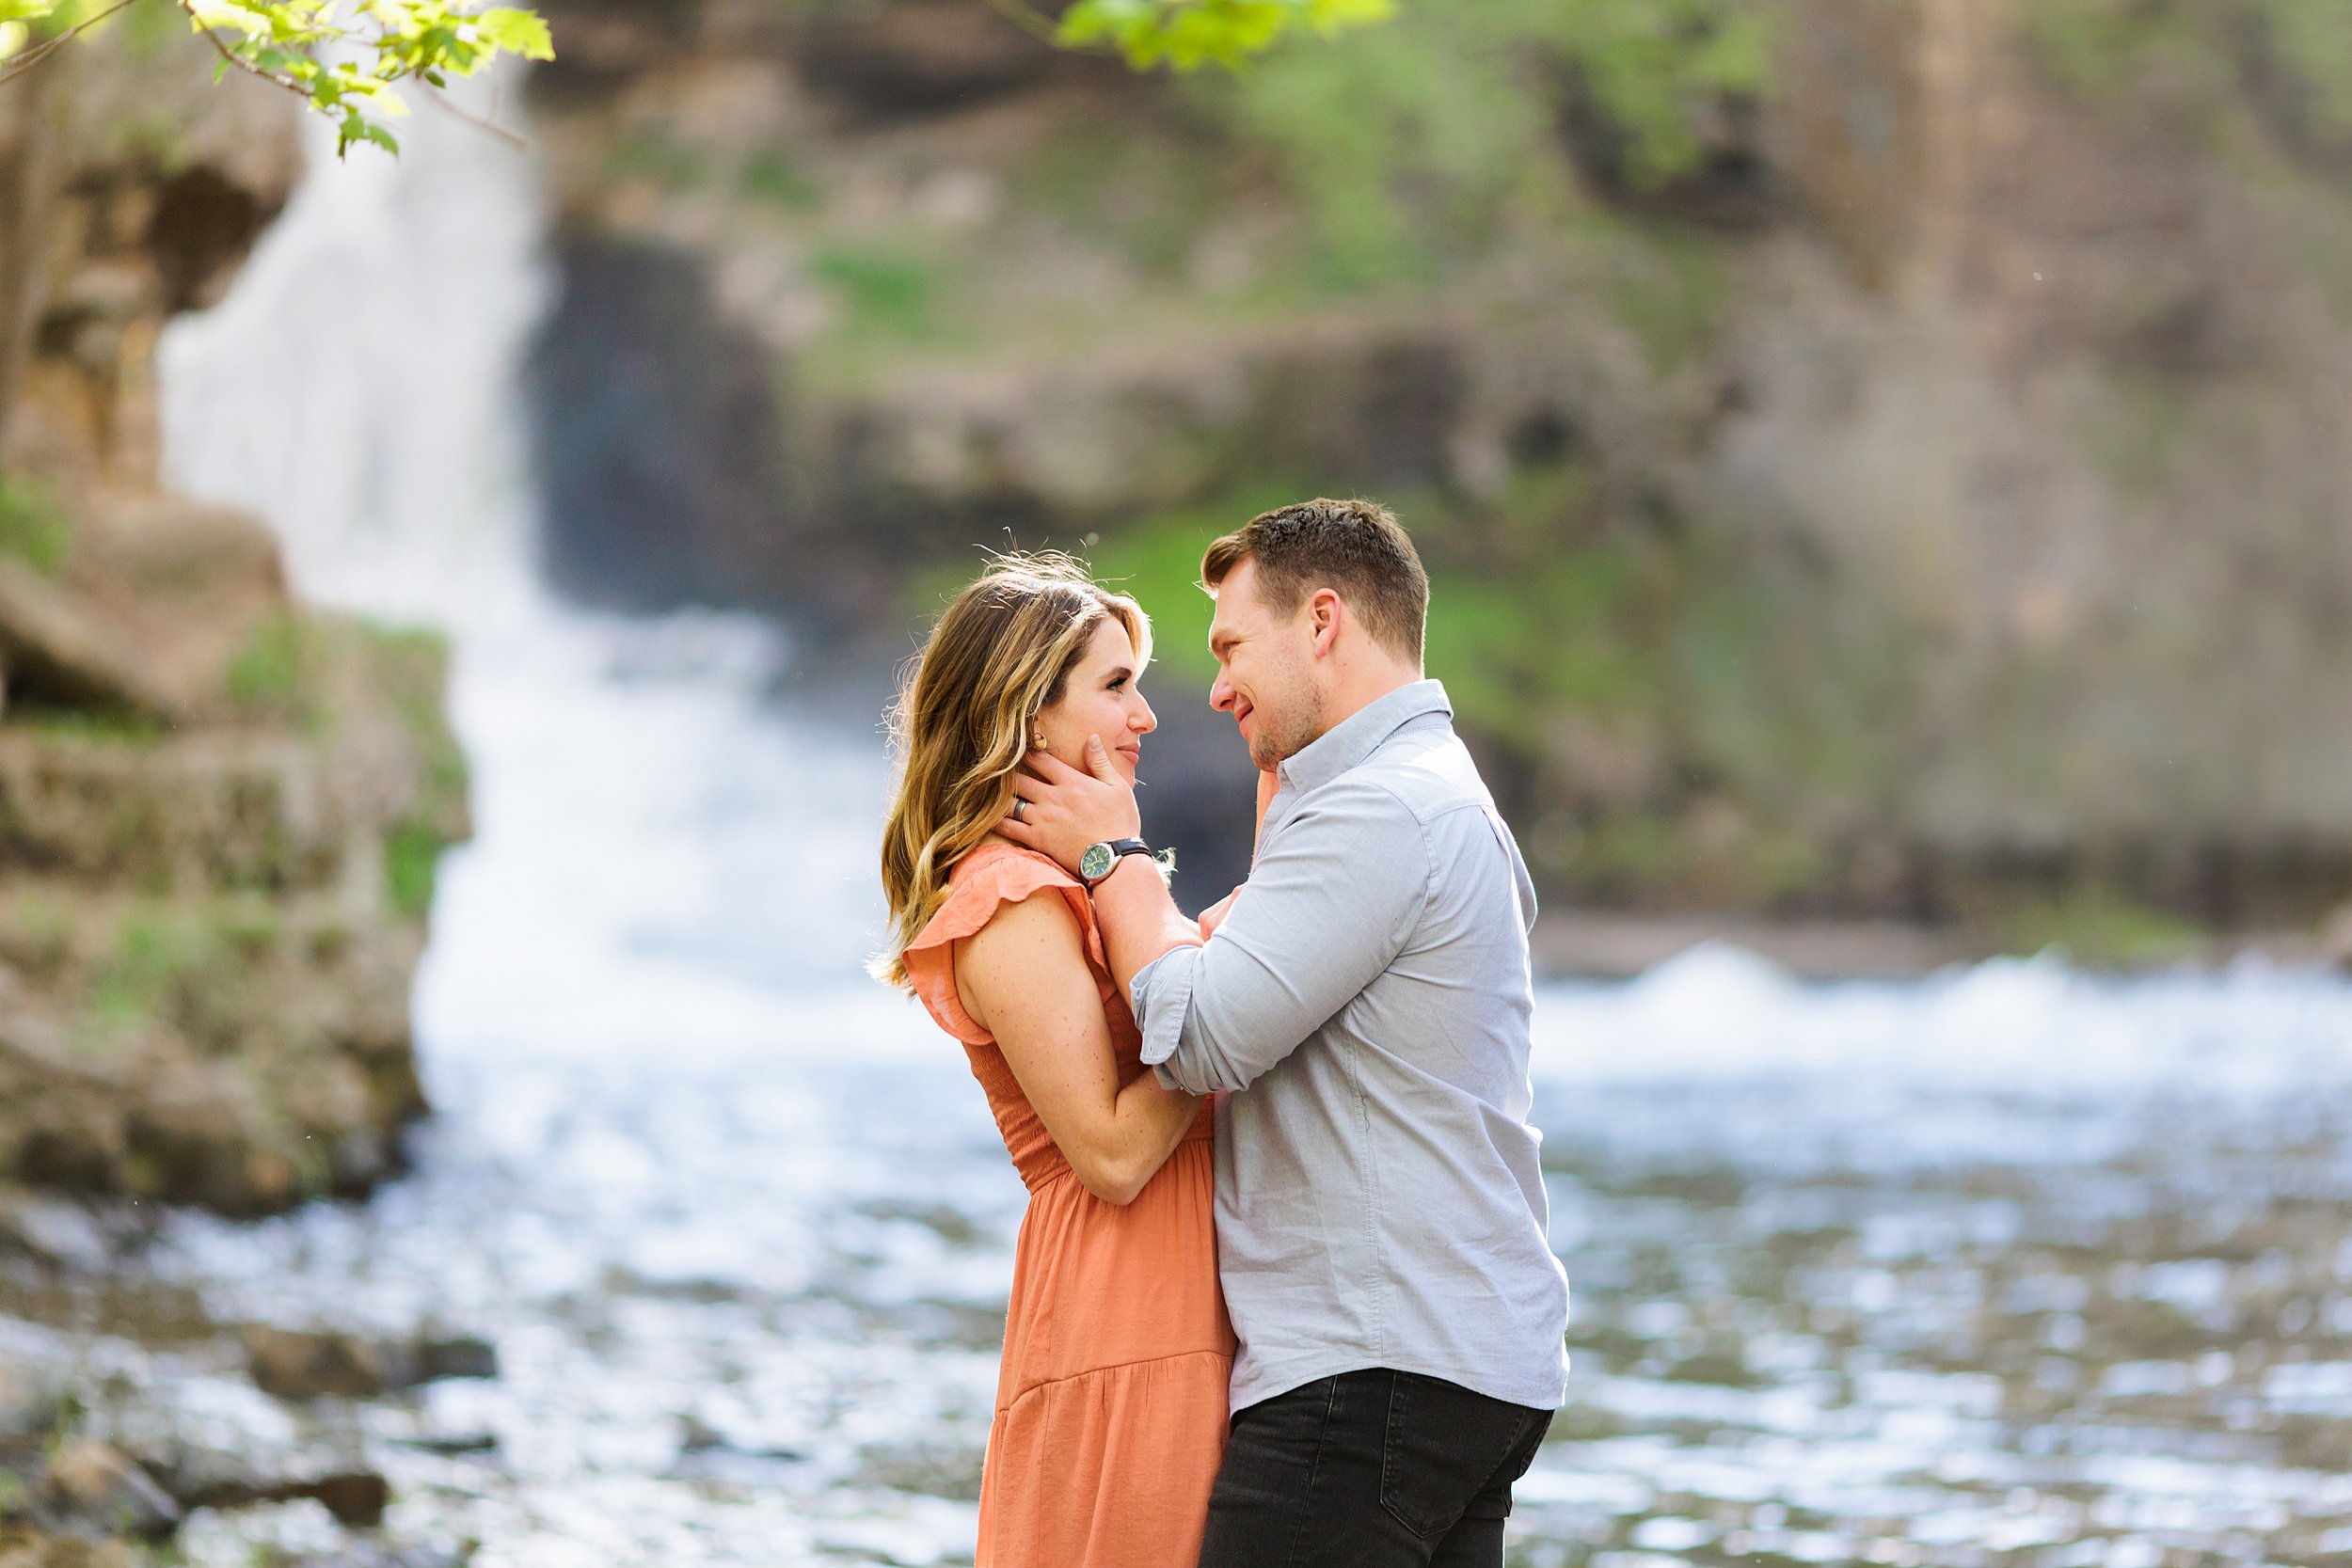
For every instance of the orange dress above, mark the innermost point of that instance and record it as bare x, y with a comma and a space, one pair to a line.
1110, 1400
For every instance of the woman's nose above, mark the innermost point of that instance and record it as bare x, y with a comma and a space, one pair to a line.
1145, 720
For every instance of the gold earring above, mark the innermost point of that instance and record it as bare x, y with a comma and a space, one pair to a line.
1037, 741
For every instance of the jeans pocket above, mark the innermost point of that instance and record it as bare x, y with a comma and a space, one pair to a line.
1443, 1443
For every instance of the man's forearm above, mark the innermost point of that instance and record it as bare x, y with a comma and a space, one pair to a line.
1139, 920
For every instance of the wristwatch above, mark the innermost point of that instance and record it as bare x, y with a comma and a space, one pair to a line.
1099, 858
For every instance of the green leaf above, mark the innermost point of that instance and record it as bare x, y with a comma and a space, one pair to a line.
518, 32
1187, 34
357, 128
26, 10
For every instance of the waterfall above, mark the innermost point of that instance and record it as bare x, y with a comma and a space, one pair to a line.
663, 859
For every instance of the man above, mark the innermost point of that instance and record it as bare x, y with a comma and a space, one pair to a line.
1365, 994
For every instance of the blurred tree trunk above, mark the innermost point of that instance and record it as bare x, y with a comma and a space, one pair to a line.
32, 134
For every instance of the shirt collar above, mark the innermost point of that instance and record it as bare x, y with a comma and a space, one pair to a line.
1355, 738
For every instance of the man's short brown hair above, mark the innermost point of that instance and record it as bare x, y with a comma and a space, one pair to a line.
1353, 546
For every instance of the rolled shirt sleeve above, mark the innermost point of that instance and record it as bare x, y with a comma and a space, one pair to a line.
1336, 892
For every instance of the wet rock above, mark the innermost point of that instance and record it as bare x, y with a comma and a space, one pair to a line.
101, 1485
58, 649
459, 1357
27, 1402
384, 1554
290, 1364
697, 1435
28, 1548
355, 1498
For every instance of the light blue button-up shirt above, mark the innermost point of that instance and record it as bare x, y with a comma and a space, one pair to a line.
1379, 1198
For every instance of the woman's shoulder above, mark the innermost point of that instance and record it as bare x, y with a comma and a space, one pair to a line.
996, 874
992, 877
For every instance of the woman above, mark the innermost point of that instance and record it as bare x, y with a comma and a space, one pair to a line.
1111, 1400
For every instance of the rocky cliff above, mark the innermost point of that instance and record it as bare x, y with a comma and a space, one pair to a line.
1924, 497
219, 811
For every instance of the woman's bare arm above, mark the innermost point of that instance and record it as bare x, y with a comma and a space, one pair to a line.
1023, 976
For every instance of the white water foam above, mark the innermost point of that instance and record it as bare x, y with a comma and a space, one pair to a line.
2030, 1027
663, 861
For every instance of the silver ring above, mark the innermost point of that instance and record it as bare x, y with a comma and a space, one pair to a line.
1019, 805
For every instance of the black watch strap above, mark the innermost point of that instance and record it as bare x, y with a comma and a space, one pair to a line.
1119, 848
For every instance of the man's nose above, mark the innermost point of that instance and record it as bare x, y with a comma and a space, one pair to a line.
1221, 693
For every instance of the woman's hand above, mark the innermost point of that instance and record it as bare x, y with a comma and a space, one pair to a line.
1063, 809
1214, 916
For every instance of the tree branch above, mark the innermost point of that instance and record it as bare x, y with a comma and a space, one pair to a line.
242, 63
1025, 17
43, 51
442, 102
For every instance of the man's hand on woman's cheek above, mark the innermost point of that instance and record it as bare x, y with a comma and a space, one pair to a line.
1062, 809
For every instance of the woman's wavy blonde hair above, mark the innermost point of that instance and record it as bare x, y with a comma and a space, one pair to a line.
1000, 655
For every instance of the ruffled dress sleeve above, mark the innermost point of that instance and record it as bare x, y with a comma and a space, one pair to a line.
989, 877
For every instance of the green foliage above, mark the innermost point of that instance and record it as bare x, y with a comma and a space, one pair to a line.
1671, 289
885, 293
1410, 139
1188, 34
654, 155
411, 667
190, 965
2098, 926
1150, 197
33, 527
2314, 39
95, 725
2201, 52
36, 936
152, 959
412, 862
272, 673
772, 177
343, 57
1157, 562
1643, 62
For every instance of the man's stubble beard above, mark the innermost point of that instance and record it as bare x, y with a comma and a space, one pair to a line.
1278, 742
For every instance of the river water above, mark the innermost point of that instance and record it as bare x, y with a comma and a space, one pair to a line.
2011, 1266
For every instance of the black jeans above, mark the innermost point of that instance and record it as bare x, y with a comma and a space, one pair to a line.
1370, 1469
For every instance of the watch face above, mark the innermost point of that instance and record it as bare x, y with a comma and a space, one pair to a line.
1096, 862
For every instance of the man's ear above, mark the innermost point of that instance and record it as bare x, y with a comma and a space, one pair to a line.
1325, 612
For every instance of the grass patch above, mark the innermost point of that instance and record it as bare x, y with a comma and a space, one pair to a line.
1564, 633
2098, 926
34, 527
38, 937
1151, 198
662, 159
773, 178
1157, 562
90, 724
274, 673
411, 664
412, 863
1672, 290
152, 957
193, 966
883, 293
